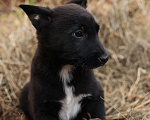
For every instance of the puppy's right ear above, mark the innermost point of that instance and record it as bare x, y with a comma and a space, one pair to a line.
39, 16
82, 3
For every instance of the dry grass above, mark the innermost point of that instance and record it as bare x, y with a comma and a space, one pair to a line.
125, 33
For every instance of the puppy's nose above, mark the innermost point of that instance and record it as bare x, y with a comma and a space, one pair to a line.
103, 58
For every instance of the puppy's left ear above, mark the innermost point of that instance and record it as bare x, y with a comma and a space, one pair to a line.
83, 3
39, 16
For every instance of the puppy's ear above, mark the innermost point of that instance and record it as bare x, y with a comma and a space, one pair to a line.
39, 16
83, 3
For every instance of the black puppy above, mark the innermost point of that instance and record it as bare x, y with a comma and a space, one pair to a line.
63, 86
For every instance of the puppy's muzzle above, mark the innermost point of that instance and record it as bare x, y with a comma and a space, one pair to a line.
103, 59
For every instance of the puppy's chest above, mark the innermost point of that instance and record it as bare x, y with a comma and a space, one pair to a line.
71, 104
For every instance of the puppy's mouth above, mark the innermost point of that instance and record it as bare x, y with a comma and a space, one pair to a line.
93, 63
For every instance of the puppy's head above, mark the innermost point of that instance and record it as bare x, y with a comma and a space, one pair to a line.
68, 33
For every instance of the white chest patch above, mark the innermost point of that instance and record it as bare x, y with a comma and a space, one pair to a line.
70, 104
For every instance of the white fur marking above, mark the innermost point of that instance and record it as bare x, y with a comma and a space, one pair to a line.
70, 105
37, 17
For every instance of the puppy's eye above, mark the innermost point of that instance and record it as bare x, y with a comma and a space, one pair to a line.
78, 33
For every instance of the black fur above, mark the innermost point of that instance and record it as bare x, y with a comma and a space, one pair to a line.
59, 45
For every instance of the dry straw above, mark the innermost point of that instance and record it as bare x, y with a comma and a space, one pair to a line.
125, 33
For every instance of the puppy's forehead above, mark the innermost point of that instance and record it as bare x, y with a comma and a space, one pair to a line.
73, 12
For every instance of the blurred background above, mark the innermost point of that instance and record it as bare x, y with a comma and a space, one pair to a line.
125, 33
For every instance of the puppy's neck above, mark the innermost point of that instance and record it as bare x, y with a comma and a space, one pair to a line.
66, 73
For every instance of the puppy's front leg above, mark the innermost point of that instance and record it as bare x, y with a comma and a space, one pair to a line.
96, 107
45, 116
